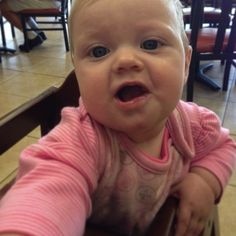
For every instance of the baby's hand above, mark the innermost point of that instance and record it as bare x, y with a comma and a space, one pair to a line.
196, 202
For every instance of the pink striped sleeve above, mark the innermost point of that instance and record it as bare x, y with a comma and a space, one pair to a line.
214, 148
56, 178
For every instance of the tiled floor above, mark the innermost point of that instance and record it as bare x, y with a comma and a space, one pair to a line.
25, 75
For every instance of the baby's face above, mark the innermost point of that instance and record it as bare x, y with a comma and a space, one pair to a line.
131, 63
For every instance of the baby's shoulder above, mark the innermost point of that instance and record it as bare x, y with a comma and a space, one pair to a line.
200, 120
195, 113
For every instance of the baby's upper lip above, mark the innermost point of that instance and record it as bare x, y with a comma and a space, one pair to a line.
130, 90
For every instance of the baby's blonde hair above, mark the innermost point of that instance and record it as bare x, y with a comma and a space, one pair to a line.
79, 4
180, 19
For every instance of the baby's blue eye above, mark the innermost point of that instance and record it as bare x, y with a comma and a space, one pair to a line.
150, 44
99, 51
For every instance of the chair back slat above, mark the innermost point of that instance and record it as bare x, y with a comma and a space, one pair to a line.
64, 6
223, 25
232, 37
197, 20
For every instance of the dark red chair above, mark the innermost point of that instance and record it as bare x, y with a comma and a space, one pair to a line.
58, 16
211, 43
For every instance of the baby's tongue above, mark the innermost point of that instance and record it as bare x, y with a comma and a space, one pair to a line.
129, 93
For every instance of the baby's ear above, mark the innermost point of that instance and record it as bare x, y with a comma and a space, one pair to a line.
188, 56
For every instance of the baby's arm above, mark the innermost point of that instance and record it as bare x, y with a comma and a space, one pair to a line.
55, 181
210, 169
210, 179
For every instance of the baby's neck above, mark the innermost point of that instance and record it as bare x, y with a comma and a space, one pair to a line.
152, 146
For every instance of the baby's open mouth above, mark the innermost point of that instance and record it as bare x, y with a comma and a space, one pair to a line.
130, 92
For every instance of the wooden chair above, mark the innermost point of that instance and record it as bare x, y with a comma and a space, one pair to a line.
211, 44
59, 17
44, 111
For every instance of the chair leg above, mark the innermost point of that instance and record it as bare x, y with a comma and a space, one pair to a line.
13, 31
23, 22
2, 32
234, 64
65, 33
190, 84
202, 77
4, 47
191, 78
226, 74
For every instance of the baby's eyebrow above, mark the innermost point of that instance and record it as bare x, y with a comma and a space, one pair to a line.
89, 32
95, 35
95, 31
87, 36
104, 33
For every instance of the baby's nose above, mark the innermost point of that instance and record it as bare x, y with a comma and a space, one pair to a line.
127, 59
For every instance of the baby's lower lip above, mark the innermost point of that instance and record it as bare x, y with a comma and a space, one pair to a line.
135, 103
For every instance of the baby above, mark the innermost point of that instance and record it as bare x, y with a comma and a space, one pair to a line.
131, 143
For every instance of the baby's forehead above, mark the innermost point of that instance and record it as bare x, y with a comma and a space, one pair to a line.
79, 4
172, 6
172, 9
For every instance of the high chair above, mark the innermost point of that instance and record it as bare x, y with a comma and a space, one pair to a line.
44, 111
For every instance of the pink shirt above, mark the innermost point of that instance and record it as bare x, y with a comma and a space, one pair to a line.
83, 170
